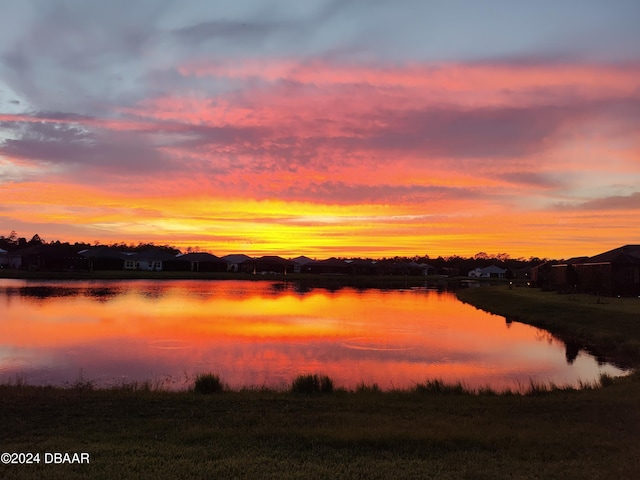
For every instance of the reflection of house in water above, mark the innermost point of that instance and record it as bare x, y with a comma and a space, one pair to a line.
615, 272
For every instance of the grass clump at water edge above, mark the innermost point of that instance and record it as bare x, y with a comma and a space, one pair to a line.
312, 383
208, 383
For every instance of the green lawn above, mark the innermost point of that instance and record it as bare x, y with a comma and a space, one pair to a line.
131, 433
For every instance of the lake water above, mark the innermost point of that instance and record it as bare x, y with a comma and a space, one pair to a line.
265, 334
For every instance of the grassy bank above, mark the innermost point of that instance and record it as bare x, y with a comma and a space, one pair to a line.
133, 434
609, 327
432, 432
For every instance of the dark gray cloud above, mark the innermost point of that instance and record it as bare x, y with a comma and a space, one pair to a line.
454, 132
228, 30
530, 179
614, 202
340, 192
75, 147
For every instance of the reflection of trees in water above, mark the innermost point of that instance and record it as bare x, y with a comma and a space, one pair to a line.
102, 294
154, 292
45, 292
41, 292
571, 351
572, 348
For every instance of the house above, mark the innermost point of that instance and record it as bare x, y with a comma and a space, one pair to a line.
267, 264
491, 271
330, 266
4, 258
390, 267
359, 266
563, 276
56, 257
419, 269
151, 260
234, 261
614, 272
196, 262
104, 258
541, 275
476, 273
300, 262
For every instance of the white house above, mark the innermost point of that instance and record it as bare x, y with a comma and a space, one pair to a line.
488, 272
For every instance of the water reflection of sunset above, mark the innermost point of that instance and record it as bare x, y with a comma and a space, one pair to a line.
256, 333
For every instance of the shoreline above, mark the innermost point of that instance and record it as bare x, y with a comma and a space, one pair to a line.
607, 328
304, 279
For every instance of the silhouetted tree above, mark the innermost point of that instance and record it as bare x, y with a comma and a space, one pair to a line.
35, 240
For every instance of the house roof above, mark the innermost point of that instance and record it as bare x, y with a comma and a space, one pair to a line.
574, 260
419, 265
154, 254
331, 262
61, 249
273, 259
493, 269
199, 257
626, 253
360, 262
102, 252
302, 260
236, 258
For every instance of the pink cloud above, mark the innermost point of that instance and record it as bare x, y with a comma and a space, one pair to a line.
322, 131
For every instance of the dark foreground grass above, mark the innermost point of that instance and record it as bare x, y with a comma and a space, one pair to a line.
436, 431
364, 434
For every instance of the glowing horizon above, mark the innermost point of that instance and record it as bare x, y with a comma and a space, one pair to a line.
237, 133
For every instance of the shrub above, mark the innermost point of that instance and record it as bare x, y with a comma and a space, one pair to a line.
208, 383
606, 380
312, 384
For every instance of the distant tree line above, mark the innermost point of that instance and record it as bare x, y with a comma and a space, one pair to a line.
13, 242
454, 263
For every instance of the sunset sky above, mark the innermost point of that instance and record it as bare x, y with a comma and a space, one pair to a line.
323, 127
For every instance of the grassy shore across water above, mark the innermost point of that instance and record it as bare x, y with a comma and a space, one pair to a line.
609, 327
426, 433
303, 279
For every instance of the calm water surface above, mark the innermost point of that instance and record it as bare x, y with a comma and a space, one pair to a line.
265, 334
